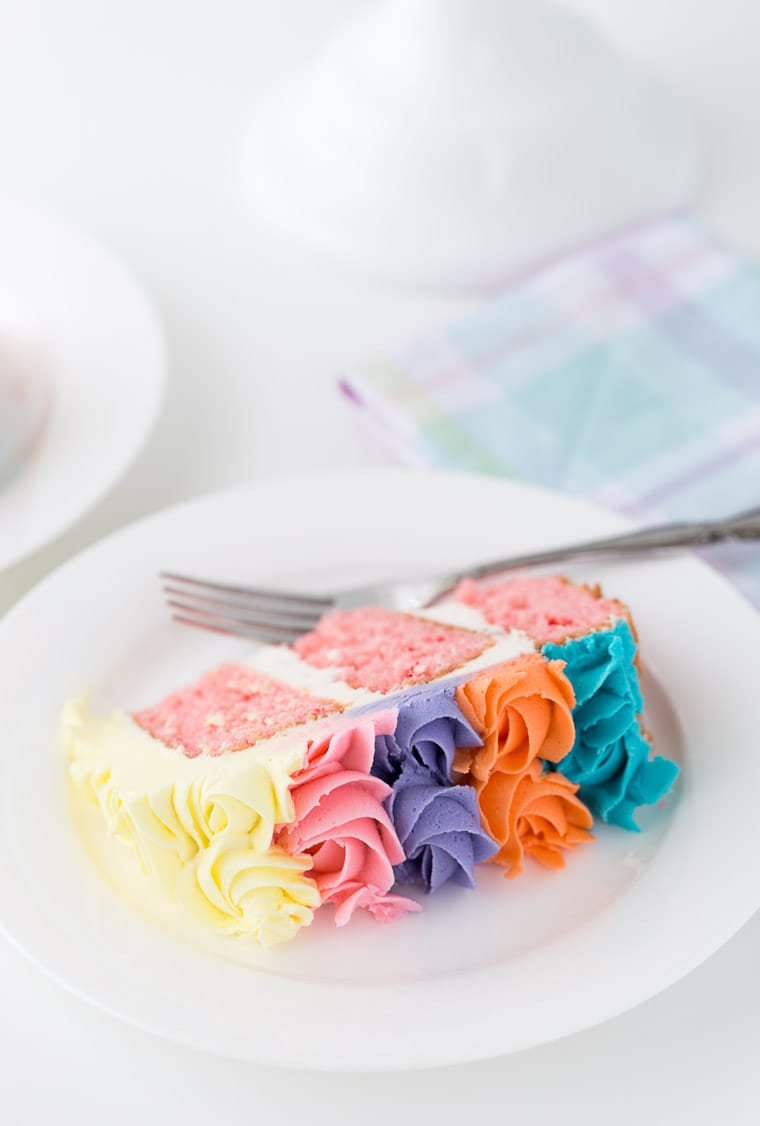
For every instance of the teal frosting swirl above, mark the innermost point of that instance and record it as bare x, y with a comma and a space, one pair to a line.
610, 757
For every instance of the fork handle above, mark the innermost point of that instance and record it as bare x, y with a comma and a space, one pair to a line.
742, 526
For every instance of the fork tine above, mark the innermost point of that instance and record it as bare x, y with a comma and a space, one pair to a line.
287, 627
316, 603
298, 619
231, 631
271, 635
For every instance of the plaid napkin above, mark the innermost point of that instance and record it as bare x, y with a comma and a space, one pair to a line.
628, 373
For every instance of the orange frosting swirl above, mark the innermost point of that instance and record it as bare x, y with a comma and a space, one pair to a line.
522, 710
532, 814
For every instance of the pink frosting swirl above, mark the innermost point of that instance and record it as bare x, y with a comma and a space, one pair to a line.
341, 823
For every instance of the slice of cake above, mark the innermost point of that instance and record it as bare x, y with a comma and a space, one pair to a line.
381, 751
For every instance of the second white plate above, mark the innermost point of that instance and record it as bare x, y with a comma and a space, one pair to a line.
72, 309
477, 973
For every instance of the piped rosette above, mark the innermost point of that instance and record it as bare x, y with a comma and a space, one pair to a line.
437, 820
341, 824
522, 713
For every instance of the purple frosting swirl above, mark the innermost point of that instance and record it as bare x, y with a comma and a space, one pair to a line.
437, 822
429, 728
439, 829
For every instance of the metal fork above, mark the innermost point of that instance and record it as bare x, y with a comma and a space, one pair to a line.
282, 616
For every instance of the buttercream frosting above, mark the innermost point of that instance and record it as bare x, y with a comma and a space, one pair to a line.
532, 814
439, 827
438, 823
429, 728
341, 825
284, 664
610, 757
201, 828
520, 710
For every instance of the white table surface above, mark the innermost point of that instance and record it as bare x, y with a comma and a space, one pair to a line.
125, 117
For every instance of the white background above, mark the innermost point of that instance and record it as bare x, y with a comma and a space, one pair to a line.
126, 118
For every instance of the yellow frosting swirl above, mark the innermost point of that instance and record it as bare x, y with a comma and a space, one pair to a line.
202, 828
263, 895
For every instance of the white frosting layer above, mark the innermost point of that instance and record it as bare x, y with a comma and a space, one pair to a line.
506, 647
459, 614
507, 644
285, 665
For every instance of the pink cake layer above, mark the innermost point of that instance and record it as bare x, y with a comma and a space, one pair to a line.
383, 651
546, 608
229, 708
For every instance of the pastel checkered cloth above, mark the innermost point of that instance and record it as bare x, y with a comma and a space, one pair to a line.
628, 372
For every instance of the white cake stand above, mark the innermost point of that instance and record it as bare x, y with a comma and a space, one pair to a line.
449, 143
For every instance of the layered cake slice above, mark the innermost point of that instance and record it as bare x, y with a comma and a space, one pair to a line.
381, 751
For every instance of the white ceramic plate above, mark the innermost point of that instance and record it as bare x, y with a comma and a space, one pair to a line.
477, 973
72, 308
